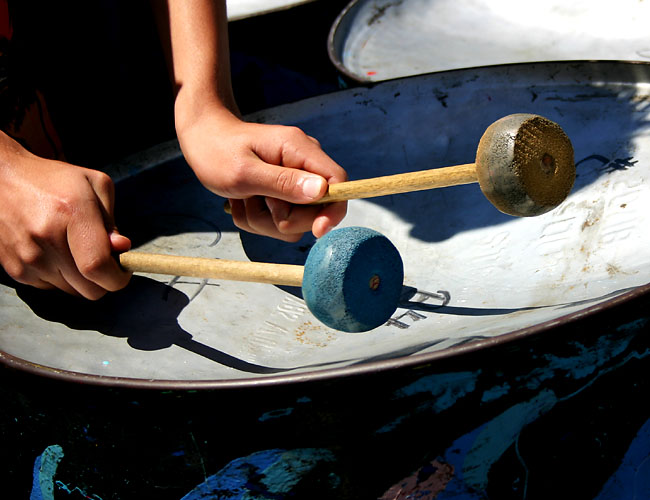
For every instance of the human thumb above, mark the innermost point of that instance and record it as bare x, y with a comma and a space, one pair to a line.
311, 187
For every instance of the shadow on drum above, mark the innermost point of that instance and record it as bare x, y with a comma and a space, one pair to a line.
437, 120
439, 214
419, 123
134, 313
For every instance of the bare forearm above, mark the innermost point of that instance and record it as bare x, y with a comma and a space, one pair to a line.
198, 55
269, 172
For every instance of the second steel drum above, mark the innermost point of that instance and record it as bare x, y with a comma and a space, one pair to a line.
375, 40
243, 9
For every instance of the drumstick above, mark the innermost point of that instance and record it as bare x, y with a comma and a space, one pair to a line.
524, 166
400, 183
198, 267
352, 298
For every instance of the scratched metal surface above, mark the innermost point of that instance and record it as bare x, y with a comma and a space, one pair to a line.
473, 275
375, 40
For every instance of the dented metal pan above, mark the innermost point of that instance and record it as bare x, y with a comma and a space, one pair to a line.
375, 40
474, 277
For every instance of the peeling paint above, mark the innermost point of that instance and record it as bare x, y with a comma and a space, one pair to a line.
265, 474
499, 434
45, 467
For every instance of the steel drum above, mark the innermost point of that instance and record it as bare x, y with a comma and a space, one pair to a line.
473, 277
374, 40
513, 368
242, 9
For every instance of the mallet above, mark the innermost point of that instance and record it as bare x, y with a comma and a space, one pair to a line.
351, 281
524, 166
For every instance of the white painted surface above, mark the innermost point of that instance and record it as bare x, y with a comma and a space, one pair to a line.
241, 9
383, 39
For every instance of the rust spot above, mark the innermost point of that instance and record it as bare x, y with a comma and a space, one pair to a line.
588, 223
314, 335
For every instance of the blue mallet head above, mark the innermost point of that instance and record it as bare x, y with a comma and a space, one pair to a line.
353, 279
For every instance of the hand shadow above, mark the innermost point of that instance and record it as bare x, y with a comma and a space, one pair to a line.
145, 313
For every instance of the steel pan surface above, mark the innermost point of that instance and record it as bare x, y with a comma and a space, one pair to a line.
375, 40
473, 276
242, 9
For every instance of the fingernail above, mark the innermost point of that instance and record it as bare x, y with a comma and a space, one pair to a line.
311, 186
122, 243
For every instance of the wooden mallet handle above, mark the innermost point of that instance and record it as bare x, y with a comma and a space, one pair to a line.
199, 267
401, 183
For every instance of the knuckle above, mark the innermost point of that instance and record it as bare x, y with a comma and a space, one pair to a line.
64, 205
103, 183
28, 261
47, 229
17, 271
293, 132
238, 174
25, 264
31, 256
95, 294
118, 283
294, 138
41, 231
236, 178
101, 178
286, 181
291, 229
241, 225
314, 140
289, 237
92, 267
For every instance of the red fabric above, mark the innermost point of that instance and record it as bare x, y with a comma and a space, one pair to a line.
33, 127
6, 29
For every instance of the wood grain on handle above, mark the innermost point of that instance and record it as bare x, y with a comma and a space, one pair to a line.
401, 183
198, 267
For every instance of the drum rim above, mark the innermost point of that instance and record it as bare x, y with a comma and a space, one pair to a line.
332, 39
369, 368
